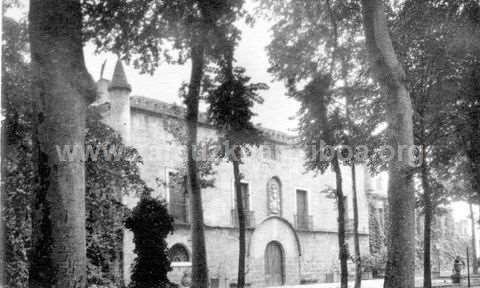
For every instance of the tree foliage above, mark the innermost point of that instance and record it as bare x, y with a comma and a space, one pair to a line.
230, 107
150, 32
230, 112
19, 178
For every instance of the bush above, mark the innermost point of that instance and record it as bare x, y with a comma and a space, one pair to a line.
150, 224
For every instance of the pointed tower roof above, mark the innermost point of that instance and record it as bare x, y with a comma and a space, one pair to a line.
119, 80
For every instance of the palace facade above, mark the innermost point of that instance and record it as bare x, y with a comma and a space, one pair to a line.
291, 216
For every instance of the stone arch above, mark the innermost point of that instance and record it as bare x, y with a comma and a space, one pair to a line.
275, 229
286, 223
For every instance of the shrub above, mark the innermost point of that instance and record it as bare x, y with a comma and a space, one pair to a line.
150, 224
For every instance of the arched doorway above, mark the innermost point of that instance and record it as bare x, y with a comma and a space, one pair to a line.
274, 266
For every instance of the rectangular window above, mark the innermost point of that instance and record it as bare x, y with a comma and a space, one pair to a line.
178, 203
249, 215
245, 196
302, 202
270, 152
245, 191
302, 219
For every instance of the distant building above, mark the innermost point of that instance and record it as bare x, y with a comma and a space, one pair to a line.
292, 221
462, 227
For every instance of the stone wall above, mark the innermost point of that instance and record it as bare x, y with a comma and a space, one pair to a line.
318, 247
317, 263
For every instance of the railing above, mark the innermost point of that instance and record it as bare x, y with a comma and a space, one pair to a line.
303, 222
249, 218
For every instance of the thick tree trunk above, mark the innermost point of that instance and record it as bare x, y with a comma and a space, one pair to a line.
62, 89
199, 254
400, 270
342, 246
427, 233
241, 226
474, 240
356, 241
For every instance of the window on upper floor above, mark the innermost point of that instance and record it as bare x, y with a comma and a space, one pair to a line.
178, 197
249, 216
303, 220
245, 191
271, 151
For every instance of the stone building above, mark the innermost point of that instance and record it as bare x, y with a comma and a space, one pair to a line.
292, 220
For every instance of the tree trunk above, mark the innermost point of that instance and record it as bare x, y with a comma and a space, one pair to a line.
342, 246
427, 197
400, 270
474, 241
62, 89
241, 225
199, 255
356, 241
3, 201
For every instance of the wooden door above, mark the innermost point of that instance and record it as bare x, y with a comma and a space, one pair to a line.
274, 271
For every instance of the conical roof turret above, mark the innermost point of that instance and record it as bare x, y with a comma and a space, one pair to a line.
119, 79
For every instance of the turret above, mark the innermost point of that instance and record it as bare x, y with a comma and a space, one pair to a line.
119, 119
119, 94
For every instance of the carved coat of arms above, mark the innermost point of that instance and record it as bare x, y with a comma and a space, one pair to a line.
274, 197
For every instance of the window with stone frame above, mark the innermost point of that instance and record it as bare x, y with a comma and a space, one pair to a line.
248, 213
245, 191
303, 220
271, 152
178, 197
178, 253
